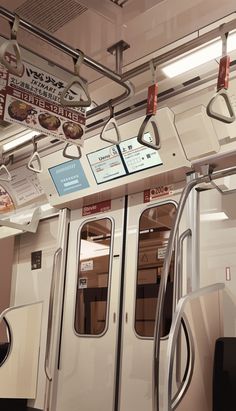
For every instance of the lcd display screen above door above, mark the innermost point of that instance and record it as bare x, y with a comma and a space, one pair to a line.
123, 159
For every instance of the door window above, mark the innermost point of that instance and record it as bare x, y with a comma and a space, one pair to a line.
154, 229
93, 277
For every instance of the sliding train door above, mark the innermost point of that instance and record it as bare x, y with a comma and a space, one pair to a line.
87, 364
148, 231
115, 261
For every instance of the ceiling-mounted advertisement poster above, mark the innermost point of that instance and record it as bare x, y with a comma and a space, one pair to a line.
33, 100
6, 202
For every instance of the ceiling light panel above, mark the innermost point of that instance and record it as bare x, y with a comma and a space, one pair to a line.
198, 57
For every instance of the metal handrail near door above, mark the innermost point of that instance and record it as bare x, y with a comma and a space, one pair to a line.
50, 313
169, 403
163, 283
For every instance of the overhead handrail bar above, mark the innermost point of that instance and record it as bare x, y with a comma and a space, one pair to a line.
35, 157
71, 156
166, 267
76, 79
89, 62
150, 118
18, 68
222, 86
111, 122
5, 174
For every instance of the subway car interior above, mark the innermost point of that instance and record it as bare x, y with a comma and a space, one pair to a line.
117, 205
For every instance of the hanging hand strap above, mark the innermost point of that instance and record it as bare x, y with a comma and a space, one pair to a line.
5, 174
70, 156
18, 68
111, 122
222, 86
150, 119
33, 158
76, 79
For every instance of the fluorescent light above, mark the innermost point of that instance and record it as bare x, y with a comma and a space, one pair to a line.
200, 56
219, 216
27, 136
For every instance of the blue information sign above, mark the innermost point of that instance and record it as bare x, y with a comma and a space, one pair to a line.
69, 177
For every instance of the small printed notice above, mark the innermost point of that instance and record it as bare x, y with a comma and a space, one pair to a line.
69, 177
23, 187
161, 253
83, 282
86, 265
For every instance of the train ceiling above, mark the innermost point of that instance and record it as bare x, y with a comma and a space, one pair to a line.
93, 26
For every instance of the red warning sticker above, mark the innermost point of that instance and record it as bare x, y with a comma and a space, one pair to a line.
96, 208
154, 193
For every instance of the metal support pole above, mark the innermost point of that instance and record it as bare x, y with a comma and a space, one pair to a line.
193, 254
117, 50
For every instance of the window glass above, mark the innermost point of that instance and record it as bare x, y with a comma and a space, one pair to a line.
93, 277
154, 229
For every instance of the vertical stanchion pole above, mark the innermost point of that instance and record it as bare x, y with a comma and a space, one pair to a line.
193, 222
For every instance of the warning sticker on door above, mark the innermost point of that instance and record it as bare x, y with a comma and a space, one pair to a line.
154, 193
161, 252
83, 282
86, 265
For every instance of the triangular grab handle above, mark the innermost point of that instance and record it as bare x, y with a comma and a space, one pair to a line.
5, 175
149, 120
111, 121
76, 79
30, 166
218, 116
76, 103
18, 68
70, 156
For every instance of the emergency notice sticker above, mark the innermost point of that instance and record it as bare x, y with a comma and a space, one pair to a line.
86, 265
83, 282
154, 193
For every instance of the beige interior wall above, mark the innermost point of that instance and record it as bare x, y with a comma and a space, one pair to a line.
6, 259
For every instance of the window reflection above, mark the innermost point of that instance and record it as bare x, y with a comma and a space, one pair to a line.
154, 229
93, 277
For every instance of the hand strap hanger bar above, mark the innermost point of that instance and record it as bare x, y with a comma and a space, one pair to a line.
150, 118
16, 68
111, 122
76, 79
89, 62
33, 158
5, 174
222, 85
